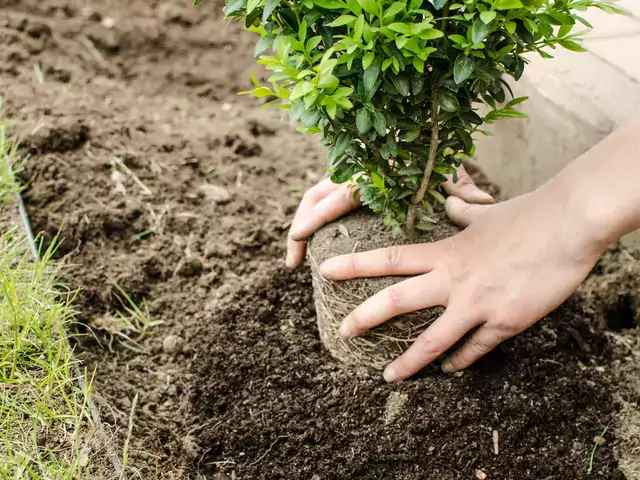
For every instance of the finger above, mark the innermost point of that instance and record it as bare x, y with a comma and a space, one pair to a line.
339, 202
408, 296
479, 344
295, 249
432, 343
463, 213
295, 252
465, 188
394, 260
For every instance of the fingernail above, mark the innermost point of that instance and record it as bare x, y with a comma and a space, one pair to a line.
447, 366
481, 196
390, 374
289, 260
345, 330
326, 269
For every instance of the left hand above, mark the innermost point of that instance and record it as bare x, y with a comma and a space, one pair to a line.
328, 201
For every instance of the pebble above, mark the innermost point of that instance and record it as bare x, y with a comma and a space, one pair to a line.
172, 344
480, 475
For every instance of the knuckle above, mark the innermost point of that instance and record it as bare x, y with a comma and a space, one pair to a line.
392, 254
395, 297
429, 346
478, 346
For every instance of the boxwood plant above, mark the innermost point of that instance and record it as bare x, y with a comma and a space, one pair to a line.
396, 88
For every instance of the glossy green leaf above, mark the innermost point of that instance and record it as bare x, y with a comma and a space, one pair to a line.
488, 16
447, 101
480, 30
268, 9
507, 4
463, 68
363, 120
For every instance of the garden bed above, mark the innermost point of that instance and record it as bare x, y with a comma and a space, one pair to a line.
167, 184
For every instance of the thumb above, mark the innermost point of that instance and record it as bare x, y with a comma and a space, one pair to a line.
463, 213
465, 188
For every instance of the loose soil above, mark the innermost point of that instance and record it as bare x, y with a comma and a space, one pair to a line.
164, 182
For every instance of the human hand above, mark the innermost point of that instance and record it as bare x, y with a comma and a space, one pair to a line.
328, 201
516, 262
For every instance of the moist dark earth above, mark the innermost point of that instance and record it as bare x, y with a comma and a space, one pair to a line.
162, 181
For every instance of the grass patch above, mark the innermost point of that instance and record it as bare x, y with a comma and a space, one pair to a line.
45, 424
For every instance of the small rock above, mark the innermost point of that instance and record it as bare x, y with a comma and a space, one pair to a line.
394, 406
108, 22
84, 458
480, 475
191, 268
215, 193
599, 440
172, 344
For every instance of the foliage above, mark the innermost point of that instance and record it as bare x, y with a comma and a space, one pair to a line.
396, 88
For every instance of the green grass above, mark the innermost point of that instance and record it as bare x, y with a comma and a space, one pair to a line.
45, 423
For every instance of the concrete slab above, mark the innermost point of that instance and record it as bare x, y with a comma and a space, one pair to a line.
606, 25
623, 53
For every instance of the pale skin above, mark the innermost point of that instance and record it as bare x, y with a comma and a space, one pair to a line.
514, 262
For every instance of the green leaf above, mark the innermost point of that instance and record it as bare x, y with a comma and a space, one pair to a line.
367, 60
331, 106
232, 7
378, 182
329, 4
394, 9
507, 4
328, 81
571, 45
447, 101
301, 89
480, 30
510, 26
342, 143
516, 101
439, 4
343, 20
437, 196
401, 82
463, 68
370, 77
302, 31
488, 16
403, 28
412, 135
313, 42
369, 6
418, 64
459, 39
268, 9
363, 120
252, 5
265, 43
358, 28
431, 34
342, 92
379, 123
354, 6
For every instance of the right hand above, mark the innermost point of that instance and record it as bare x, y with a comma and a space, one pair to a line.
328, 201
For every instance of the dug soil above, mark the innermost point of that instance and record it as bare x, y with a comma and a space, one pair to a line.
166, 184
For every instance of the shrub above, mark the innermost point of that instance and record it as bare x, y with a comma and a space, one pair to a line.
396, 88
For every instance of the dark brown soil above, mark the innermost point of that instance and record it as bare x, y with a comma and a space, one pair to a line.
166, 183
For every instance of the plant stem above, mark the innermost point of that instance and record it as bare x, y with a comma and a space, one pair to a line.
416, 203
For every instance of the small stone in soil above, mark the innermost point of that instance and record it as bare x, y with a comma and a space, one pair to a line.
172, 344
394, 406
191, 268
480, 475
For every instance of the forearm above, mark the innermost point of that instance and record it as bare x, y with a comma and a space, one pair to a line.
601, 189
